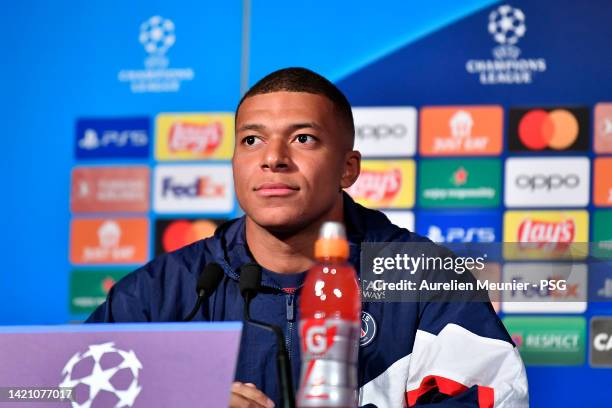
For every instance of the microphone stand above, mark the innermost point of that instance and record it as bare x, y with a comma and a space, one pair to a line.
283, 366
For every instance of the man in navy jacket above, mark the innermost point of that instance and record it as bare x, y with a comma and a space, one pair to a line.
293, 157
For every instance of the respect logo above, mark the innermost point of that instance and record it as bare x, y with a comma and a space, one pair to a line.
194, 136
549, 340
385, 184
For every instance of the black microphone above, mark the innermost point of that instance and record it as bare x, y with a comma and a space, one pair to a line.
250, 279
208, 281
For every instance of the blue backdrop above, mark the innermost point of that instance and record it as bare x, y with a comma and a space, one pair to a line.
66, 60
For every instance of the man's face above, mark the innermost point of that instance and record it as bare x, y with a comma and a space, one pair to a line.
291, 157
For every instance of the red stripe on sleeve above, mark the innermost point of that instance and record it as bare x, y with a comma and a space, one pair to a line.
449, 387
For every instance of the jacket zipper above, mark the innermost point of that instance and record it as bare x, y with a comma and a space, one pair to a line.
290, 309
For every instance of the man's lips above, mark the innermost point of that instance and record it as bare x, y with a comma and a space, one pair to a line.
275, 189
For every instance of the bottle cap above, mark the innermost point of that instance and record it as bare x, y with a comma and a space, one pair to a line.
332, 241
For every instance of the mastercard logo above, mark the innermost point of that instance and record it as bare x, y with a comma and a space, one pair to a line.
176, 234
557, 129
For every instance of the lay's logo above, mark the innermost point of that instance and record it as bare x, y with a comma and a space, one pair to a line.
385, 184
378, 185
545, 234
194, 136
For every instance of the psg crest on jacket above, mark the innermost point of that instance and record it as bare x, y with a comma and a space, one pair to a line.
368, 329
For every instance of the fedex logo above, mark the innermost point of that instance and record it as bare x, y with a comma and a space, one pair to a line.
545, 287
555, 287
109, 138
460, 226
200, 187
194, 189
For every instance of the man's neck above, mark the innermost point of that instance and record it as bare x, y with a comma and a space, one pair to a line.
287, 253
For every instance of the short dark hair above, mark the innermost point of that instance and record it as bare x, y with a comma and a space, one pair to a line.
297, 79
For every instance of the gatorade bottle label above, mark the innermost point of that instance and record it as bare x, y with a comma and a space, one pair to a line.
330, 349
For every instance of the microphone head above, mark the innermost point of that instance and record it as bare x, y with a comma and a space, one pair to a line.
250, 278
209, 279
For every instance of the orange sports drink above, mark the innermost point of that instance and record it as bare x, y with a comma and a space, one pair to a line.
330, 325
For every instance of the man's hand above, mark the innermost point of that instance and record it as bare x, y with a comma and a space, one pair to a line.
248, 396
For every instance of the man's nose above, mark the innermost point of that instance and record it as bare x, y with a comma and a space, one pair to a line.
276, 156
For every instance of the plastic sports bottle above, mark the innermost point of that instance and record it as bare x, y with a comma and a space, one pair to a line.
330, 325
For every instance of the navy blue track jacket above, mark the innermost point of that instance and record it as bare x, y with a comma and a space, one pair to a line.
413, 354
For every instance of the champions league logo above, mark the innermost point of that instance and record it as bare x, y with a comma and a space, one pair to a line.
104, 376
157, 36
507, 26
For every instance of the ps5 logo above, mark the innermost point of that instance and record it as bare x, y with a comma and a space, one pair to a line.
126, 137
459, 234
119, 138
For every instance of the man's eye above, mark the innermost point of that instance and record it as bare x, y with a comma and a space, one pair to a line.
305, 138
250, 140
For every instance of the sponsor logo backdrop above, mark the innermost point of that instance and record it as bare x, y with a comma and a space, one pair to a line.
498, 117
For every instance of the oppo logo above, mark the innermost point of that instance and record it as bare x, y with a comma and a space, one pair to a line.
547, 181
381, 131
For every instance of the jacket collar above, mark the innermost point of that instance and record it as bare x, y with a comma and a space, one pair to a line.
230, 247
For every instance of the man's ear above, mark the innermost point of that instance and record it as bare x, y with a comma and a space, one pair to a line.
352, 167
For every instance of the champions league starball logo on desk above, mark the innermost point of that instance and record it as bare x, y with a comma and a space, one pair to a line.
103, 372
157, 36
507, 25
